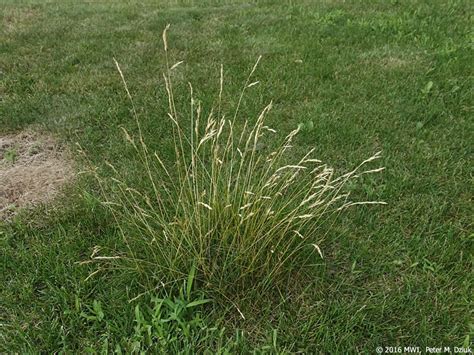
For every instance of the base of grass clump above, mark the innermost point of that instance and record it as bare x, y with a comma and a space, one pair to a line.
245, 218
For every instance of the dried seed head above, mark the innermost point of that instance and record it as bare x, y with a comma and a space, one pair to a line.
165, 41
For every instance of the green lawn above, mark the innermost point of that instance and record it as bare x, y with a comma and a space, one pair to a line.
394, 76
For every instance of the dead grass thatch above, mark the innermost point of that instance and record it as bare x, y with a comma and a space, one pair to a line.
32, 169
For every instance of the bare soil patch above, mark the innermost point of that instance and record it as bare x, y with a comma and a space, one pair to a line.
33, 167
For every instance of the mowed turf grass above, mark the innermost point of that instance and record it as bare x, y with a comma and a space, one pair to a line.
394, 76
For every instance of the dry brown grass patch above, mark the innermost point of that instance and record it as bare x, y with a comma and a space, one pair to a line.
33, 167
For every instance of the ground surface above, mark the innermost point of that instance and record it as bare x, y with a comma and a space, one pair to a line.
381, 75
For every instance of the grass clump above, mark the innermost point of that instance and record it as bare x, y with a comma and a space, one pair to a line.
243, 216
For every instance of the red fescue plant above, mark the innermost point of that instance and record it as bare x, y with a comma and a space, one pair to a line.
240, 217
